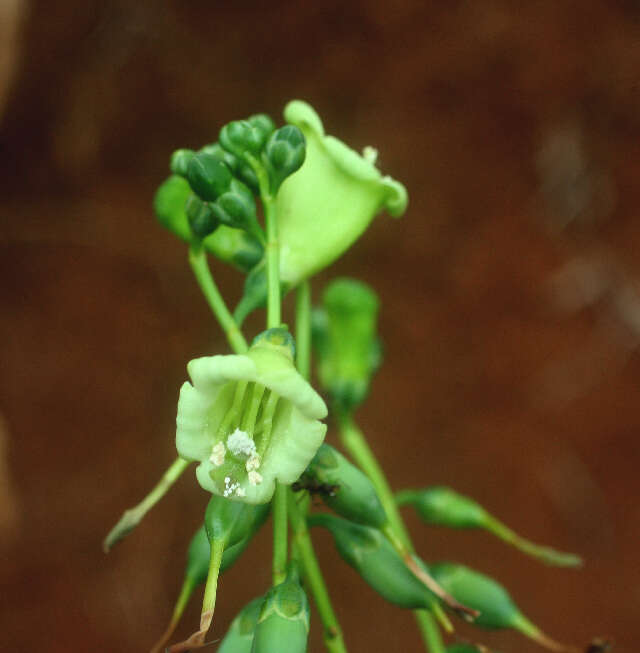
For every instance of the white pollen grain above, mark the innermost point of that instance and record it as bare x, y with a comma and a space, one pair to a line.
240, 444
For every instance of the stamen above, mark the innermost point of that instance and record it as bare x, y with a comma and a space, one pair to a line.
253, 463
251, 412
218, 454
266, 422
255, 478
233, 414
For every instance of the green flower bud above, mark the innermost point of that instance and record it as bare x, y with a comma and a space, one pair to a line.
237, 208
344, 334
202, 219
169, 206
283, 624
240, 169
208, 176
369, 552
180, 160
239, 637
249, 420
328, 203
241, 137
354, 496
215, 150
263, 123
284, 153
445, 507
496, 607
228, 244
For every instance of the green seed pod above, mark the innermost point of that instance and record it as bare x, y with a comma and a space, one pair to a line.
284, 154
180, 161
369, 552
228, 521
237, 208
445, 507
239, 637
344, 334
208, 176
352, 494
283, 624
240, 137
496, 607
202, 220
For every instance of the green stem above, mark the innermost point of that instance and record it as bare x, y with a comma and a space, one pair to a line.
200, 267
273, 263
332, 632
279, 504
303, 329
429, 630
279, 509
355, 443
197, 639
302, 544
211, 588
543, 553
132, 517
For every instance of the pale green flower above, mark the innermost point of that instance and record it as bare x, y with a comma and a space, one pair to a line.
249, 420
327, 204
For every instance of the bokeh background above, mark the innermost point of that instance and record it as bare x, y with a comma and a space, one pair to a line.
511, 305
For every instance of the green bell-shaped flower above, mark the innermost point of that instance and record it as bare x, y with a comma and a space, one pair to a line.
249, 420
327, 204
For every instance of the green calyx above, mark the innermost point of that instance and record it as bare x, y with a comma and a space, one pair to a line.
352, 494
345, 338
239, 637
249, 420
283, 624
329, 202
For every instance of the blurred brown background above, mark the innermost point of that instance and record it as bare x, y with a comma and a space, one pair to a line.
511, 306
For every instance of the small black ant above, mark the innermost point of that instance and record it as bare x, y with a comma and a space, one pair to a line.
313, 487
